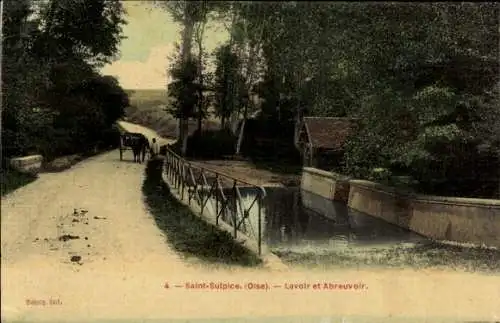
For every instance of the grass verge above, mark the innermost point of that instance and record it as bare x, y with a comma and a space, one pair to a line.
12, 180
63, 163
187, 233
432, 255
282, 167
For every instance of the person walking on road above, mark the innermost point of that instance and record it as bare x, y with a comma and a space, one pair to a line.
155, 148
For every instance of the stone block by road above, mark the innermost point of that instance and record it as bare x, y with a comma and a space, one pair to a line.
28, 164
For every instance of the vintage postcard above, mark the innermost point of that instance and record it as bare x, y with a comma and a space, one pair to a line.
251, 161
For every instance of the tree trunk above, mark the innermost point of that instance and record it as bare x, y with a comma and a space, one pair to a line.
199, 39
240, 136
250, 72
299, 116
200, 90
187, 37
223, 123
231, 85
1, 67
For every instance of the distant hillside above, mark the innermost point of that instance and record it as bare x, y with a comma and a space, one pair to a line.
145, 95
147, 108
147, 104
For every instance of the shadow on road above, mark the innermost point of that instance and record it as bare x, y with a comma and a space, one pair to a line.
187, 233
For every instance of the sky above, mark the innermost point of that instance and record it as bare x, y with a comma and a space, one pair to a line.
151, 34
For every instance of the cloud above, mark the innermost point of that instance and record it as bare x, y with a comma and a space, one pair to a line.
151, 74
151, 33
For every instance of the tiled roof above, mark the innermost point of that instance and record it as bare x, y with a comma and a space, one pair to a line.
329, 133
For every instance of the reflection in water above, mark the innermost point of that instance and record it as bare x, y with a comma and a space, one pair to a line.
292, 218
306, 229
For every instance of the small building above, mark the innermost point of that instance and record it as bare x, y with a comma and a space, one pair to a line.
321, 140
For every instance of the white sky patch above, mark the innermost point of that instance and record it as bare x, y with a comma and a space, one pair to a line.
151, 74
151, 34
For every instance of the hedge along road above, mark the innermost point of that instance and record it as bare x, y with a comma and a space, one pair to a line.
81, 245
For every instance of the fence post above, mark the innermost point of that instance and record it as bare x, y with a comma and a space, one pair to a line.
174, 169
169, 169
235, 210
165, 165
259, 221
183, 180
179, 178
175, 172
190, 196
216, 199
164, 168
201, 198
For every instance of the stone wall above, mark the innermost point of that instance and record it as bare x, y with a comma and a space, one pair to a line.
464, 220
326, 184
379, 201
469, 220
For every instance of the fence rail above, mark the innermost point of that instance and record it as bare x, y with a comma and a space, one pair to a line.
218, 194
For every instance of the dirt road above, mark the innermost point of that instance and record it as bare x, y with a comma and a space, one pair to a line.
150, 134
81, 245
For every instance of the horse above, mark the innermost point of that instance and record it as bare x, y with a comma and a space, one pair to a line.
139, 144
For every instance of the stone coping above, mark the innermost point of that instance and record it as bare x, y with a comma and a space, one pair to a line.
28, 158
27, 164
399, 192
463, 201
325, 173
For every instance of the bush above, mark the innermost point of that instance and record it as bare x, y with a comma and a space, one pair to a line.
12, 179
381, 175
110, 138
211, 144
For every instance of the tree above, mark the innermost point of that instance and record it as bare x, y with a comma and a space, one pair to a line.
409, 71
183, 89
49, 51
433, 73
108, 95
248, 31
94, 39
199, 34
21, 74
187, 13
227, 83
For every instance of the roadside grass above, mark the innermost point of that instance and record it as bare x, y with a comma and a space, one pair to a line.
187, 233
12, 180
63, 163
426, 256
283, 167
291, 172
